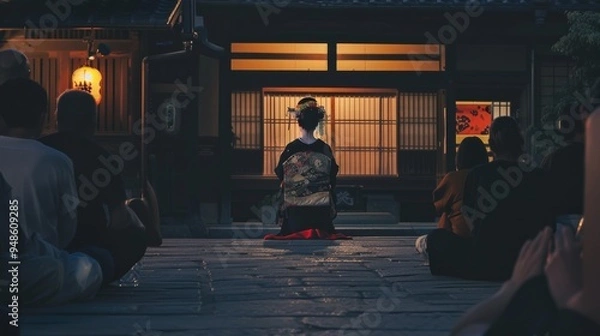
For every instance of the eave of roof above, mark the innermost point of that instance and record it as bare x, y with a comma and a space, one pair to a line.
140, 14
411, 4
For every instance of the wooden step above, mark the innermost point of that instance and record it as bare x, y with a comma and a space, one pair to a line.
365, 218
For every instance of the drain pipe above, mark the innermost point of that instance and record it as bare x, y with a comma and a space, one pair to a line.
532, 100
203, 37
144, 108
190, 23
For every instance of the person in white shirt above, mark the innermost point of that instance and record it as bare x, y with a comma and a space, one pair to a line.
43, 182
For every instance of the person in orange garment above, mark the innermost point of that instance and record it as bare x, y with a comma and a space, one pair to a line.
448, 196
505, 202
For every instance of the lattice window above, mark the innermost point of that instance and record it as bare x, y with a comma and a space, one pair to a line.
280, 128
365, 130
44, 70
554, 76
418, 121
500, 109
361, 129
418, 135
246, 115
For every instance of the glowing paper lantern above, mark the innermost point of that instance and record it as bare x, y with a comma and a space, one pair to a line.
88, 79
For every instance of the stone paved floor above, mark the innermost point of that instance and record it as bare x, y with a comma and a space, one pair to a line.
367, 286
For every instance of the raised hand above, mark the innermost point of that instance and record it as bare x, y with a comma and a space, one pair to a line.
564, 268
531, 259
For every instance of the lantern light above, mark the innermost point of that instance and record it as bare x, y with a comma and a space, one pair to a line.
88, 79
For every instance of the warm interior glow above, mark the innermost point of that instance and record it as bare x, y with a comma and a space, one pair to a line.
361, 129
279, 48
380, 57
416, 65
387, 49
278, 65
498, 109
279, 56
350, 57
88, 79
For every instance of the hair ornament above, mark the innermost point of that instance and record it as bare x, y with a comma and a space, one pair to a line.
297, 111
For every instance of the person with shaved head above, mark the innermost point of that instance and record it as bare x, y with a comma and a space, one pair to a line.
106, 218
13, 64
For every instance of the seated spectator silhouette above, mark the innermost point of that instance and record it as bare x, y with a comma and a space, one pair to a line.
104, 218
505, 202
565, 166
307, 171
13, 64
43, 182
448, 196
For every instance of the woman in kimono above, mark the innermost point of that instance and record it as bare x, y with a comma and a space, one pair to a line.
307, 171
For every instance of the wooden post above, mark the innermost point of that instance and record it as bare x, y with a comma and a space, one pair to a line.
591, 230
450, 131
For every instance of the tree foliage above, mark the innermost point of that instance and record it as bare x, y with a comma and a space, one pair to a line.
582, 45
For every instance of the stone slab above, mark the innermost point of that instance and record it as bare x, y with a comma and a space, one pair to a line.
365, 286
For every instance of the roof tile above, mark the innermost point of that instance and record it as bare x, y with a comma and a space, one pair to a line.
154, 13
509, 4
141, 13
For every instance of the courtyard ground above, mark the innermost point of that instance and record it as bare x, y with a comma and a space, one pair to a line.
201, 287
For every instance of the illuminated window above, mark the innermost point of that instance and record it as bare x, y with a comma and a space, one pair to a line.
390, 57
246, 119
361, 128
373, 132
279, 57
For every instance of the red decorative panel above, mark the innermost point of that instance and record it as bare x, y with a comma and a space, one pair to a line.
473, 119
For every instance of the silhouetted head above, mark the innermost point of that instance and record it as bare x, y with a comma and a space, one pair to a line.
506, 139
24, 105
310, 114
13, 64
471, 153
76, 112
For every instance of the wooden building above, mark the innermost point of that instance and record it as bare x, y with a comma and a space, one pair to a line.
56, 36
394, 75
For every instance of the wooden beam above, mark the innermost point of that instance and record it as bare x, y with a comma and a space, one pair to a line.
330, 90
64, 64
591, 228
450, 103
403, 81
45, 45
135, 82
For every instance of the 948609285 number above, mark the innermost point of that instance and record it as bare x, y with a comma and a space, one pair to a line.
13, 227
